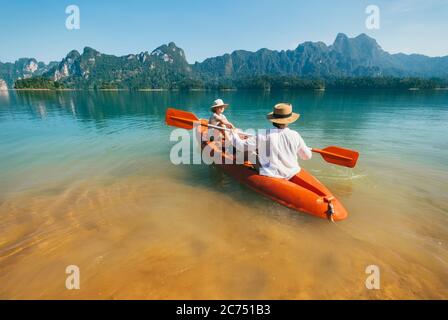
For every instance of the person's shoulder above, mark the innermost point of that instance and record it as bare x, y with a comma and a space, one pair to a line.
295, 135
292, 132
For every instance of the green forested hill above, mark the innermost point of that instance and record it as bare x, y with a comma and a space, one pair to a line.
348, 62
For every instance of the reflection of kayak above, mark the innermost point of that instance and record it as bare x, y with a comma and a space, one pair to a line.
303, 192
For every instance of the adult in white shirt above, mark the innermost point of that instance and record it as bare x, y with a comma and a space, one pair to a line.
277, 149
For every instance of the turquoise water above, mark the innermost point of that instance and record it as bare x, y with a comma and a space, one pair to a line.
70, 147
68, 129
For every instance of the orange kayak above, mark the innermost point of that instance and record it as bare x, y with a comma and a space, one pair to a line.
303, 193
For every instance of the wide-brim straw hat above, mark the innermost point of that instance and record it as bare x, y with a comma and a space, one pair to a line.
218, 103
283, 114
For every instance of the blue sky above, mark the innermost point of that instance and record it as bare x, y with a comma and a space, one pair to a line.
205, 28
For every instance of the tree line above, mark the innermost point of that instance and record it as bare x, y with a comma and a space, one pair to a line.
264, 82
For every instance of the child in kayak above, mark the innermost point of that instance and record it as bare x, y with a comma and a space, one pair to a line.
218, 118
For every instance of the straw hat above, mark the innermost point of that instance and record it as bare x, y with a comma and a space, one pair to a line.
218, 103
283, 114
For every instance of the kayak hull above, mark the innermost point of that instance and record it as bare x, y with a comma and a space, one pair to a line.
303, 193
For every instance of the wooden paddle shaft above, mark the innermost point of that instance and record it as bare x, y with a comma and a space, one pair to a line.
312, 149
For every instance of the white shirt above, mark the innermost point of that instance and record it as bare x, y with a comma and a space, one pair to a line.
278, 151
217, 119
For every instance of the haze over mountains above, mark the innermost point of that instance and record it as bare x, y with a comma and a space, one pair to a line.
167, 67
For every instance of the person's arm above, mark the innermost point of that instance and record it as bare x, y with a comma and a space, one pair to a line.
249, 144
229, 124
223, 120
304, 152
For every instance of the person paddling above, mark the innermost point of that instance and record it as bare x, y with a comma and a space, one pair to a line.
282, 146
218, 118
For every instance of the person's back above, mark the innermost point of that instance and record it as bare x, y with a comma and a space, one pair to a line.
277, 149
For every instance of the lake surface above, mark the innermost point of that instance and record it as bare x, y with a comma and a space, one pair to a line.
85, 179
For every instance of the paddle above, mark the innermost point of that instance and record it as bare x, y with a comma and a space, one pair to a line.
186, 120
340, 156
335, 155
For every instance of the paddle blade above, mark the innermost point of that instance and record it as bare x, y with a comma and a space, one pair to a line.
179, 118
340, 156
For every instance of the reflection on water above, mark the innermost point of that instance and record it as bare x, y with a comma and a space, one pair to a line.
86, 180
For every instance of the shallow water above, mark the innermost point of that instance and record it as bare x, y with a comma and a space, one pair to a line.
85, 179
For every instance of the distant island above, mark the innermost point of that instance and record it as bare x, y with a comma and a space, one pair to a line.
357, 62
